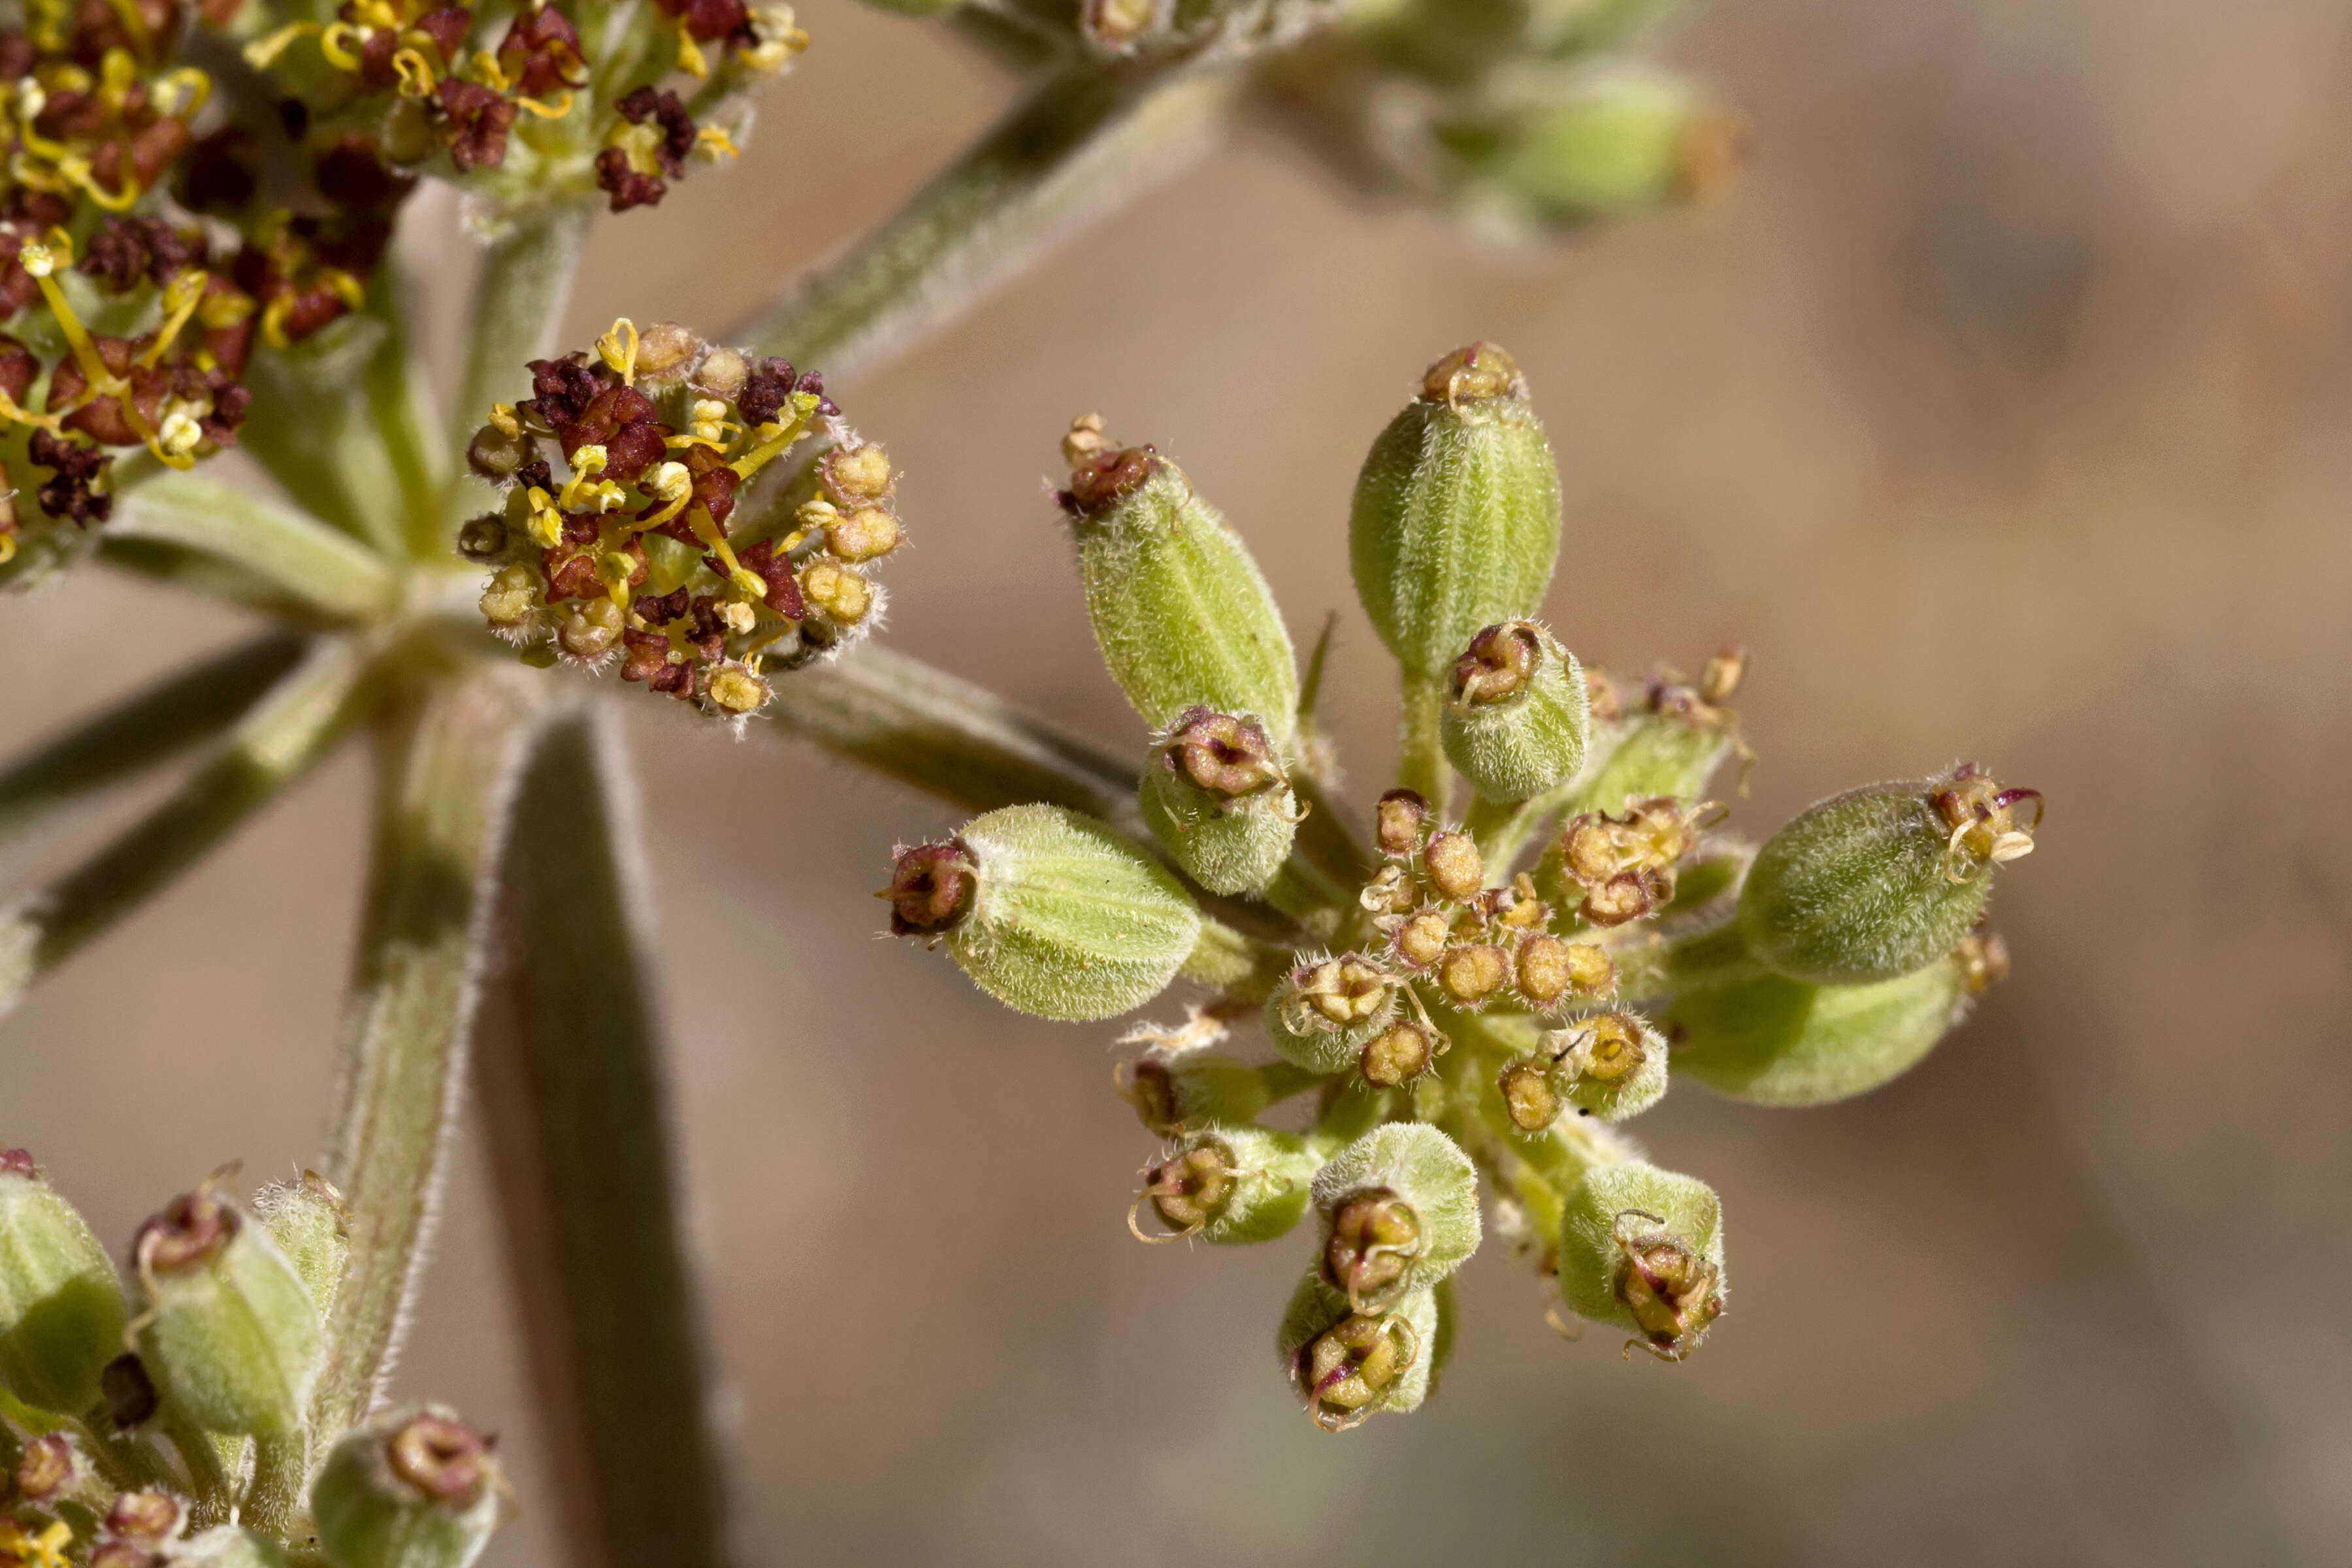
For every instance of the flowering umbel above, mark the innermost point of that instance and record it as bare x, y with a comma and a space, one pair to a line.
649, 521
1460, 1002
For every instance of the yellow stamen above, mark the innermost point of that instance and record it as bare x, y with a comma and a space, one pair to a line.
713, 142
503, 420
188, 79
182, 295
776, 439
76, 168
618, 349
340, 43
546, 522
555, 111
416, 73
689, 55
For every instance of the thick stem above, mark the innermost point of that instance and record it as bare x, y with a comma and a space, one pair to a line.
149, 727
445, 770
318, 566
278, 743
1421, 747
1088, 141
276, 1492
569, 1066
519, 299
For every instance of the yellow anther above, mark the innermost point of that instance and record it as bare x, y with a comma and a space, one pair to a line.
76, 168
618, 349
546, 522
778, 39
117, 70
777, 436
713, 142
503, 420
484, 67
340, 43
416, 73
263, 52
556, 110
690, 54
188, 79
7, 548
175, 440
743, 577
671, 485
586, 464
709, 423
343, 286
35, 258
735, 615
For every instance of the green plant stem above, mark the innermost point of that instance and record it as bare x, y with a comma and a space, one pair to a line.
444, 772
1088, 141
296, 725
206, 1477
517, 307
569, 1063
278, 1487
1238, 965
948, 737
1421, 747
310, 561
149, 727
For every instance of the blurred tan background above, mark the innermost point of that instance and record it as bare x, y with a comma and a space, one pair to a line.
2002, 408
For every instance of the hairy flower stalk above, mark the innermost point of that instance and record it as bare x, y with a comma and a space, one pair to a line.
1464, 1014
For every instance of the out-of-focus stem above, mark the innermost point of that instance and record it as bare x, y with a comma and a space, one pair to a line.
1421, 747
146, 729
279, 741
519, 299
319, 566
569, 1060
444, 772
1086, 143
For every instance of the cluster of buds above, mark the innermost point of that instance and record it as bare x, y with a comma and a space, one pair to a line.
521, 104
648, 522
145, 1456
1465, 1004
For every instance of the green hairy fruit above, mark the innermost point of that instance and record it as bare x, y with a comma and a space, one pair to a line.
1216, 797
1598, 144
1518, 714
1642, 1248
229, 1333
1049, 911
308, 1220
1349, 1365
1610, 1067
418, 1490
1328, 1011
61, 1308
1457, 518
1885, 880
1229, 1182
1181, 614
1771, 1040
1400, 1208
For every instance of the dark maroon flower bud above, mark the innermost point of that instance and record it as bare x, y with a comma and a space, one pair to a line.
932, 888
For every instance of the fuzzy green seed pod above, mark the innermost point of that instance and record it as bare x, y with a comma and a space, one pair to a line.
1348, 1365
1229, 1182
1610, 1067
1642, 1248
1216, 797
1456, 519
419, 1490
308, 1220
1178, 1088
1599, 144
1400, 1208
227, 1546
1882, 880
230, 1335
1180, 611
1049, 911
61, 1308
1517, 713
1326, 1010
1770, 1040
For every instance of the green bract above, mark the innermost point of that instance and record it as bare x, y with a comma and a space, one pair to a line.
414, 1490
1642, 1248
1776, 1041
229, 1334
1518, 714
1066, 918
1456, 518
61, 1309
1881, 880
1181, 612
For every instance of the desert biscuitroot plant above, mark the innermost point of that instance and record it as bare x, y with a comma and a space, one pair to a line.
197, 223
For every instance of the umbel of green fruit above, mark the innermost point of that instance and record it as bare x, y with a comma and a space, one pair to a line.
1642, 1248
229, 1334
1455, 522
61, 1309
1049, 911
1181, 614
418, 1490
1517, 715
1885, 880
1217, 798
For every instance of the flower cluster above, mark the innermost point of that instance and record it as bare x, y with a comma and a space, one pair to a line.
1464, 1009
659, 545
522, 101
